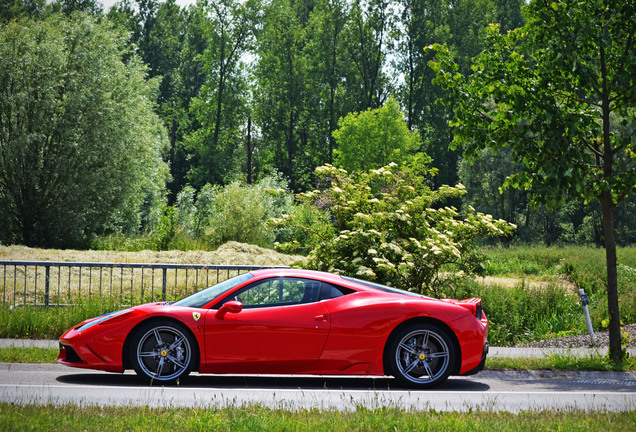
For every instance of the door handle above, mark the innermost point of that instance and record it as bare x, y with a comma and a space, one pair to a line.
321, 318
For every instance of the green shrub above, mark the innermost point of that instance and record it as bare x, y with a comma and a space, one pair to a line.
584, 266
241, 212
305, 230
211, 217
522, 314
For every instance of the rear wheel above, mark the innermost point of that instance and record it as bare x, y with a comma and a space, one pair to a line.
421, 356
162, 352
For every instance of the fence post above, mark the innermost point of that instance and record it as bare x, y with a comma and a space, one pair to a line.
47, 273
163, 285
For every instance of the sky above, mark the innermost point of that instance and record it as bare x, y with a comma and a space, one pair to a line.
108, 3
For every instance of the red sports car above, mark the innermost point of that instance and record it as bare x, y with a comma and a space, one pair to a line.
284, 321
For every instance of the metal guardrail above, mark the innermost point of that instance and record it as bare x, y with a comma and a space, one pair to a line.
48, 283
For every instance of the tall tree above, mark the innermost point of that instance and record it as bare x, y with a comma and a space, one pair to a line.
80, 146
367, 37
327, 64
422, 23
221, 108
11, 9
171, 40
459, 24
281, 74
483, 183
556, 93
509, 14
92, 7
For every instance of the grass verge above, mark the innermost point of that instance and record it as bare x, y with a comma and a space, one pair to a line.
49, 323
562, 362
256, 418
28, 355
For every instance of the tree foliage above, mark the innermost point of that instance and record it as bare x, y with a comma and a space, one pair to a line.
221, 107
12, 9
561, 94
374, 138
370, 24
171, 41
305, 65
391, 227
80, 146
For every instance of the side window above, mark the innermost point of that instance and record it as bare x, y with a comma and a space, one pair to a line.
329, 291
265, 292
279, 292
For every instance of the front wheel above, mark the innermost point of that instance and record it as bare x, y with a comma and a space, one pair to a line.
162, 352
421, 356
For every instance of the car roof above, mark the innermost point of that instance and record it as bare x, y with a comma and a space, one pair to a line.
290, 272
358, 285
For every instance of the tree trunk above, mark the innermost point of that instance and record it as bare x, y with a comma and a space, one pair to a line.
615, 350
219, 107
219, 100
249, 150
290, 151
608, 206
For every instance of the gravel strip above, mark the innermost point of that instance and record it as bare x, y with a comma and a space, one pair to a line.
583, 341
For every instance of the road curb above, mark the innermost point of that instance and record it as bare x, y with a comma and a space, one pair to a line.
28, 343
512, 352
627, 377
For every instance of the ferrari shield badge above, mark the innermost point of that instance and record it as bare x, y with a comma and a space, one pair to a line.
196, 316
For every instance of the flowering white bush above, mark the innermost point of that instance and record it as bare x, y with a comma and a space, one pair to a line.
391, 227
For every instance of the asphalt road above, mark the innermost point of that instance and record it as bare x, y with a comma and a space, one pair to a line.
489, 390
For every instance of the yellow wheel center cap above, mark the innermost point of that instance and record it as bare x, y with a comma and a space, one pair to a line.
422, 356
164, 353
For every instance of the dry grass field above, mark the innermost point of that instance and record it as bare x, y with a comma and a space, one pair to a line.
231, 253
27, 285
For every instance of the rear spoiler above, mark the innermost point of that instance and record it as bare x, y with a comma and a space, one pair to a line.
473, 304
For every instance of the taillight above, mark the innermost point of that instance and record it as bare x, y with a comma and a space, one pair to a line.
479, 312
474, 305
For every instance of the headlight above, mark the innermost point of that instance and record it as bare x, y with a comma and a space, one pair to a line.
101, 319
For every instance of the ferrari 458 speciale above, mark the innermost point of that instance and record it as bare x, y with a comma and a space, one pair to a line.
285, 321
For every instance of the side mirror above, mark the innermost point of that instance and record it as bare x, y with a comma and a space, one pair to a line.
233, 306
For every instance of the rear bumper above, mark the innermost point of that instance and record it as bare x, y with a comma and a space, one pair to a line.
482, 363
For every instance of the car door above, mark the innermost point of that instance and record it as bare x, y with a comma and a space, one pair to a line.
282, 328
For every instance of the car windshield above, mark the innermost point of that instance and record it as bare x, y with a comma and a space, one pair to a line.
204, 297
385, 288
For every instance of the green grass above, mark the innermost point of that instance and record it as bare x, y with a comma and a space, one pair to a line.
31, 322
256, 418
28, 355
521, 314
540, 260
561, 362
141, 242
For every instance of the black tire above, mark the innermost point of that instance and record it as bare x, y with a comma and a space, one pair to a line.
421, 356
162, 352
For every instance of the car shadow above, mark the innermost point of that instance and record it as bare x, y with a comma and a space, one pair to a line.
273, 382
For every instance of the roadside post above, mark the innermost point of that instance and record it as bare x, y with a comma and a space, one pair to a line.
585, 301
